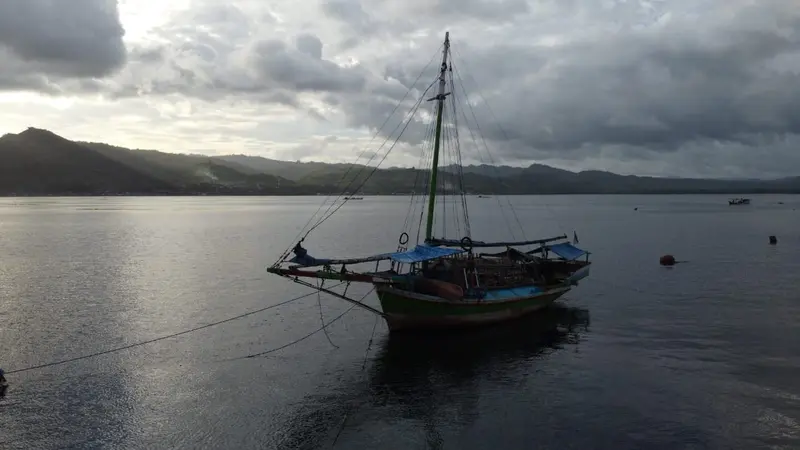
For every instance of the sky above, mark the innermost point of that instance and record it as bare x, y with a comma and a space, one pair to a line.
705, 88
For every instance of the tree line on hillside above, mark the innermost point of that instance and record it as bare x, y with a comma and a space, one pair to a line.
39, 162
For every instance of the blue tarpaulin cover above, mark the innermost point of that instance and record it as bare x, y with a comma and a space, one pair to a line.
417, 254
423, 253
566, 250
308, 261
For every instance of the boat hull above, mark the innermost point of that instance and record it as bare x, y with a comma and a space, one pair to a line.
406, 310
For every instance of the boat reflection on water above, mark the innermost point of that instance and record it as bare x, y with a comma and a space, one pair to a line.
470, 350
422, 383
438, 380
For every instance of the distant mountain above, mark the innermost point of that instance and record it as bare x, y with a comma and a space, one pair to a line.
534, 179
39, 162
287, 169
190, 172
494, 171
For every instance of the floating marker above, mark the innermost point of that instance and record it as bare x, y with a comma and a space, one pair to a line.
773, 240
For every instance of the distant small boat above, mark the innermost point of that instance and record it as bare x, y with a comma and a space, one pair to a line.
484, 196
739, 201
354, 198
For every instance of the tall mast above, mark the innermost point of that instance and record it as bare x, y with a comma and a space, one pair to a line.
436, 142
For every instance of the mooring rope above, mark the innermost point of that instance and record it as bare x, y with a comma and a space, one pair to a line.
296, 341
161, 338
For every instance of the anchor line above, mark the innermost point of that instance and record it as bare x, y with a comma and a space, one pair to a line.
161, 338
359, 303
369, 344
363, 368
301, 339
321, 318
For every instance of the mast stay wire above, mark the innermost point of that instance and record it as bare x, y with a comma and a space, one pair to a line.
459, 162
502, 130
418, 171
478, 148
375, 169
457, 75
366, 147
375, 153
453, 176
428, 165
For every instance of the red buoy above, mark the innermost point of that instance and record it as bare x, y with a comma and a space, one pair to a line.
667, 260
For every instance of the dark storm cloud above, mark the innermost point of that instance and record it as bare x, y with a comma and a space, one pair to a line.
301, 68
310, 45
13, 80
658, 87
372, 112
58, 39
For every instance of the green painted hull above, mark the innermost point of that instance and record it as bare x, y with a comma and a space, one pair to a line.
406, 310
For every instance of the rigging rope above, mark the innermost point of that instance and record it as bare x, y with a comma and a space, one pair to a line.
366, 147
417, 173
426, 188
321, 318
169, 336
423, 165
296, 341
488, 153
375, 169
505, 135
369, 344
375, 153
363, 367
458, 158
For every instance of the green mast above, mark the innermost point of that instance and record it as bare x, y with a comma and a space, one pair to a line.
435, 166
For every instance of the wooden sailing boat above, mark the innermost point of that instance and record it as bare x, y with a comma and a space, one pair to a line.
443, 283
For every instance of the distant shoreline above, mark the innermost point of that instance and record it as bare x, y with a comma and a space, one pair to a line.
488, 195
40, 163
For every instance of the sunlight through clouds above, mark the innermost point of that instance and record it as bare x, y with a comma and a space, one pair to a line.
141, 17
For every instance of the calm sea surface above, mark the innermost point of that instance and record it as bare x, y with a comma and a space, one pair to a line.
702, 355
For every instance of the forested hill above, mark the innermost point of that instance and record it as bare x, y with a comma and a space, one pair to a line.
39, 162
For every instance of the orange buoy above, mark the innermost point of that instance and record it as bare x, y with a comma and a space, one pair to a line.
667, 260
